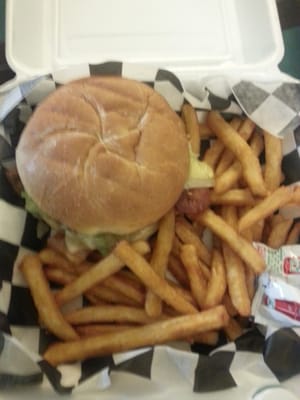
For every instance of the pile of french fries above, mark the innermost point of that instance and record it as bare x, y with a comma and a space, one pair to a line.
194, 278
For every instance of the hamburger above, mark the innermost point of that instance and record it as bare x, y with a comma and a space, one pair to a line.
104, 158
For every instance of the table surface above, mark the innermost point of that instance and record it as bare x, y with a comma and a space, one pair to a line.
289, 14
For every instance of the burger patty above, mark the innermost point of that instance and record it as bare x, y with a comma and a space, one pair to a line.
193, 201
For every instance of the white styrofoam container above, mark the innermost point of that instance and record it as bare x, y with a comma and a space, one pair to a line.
192, 38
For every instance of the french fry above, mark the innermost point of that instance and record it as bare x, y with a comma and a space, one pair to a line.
113, 313
94, 300
236, 281
99, 329
183, 292
176, 246
52, 258
159, 286
231, 176
275, 219
217, 284
109, 295
296, 195
210, 338
59, 276
230, 215
119, 284
273, 157
110, 291
293, 236
239, 147
279, 233
46, 306
159, 258
197, 281
233, 329
191, 123
204, 131
245, 130
156, 333
187, 235
232, 311
266, 207
250, 282
214, 152
240, 245
128, 276
57, 243
248, 233
235, 197
205, 270
102, 270
177, 270
235, 268
257, 230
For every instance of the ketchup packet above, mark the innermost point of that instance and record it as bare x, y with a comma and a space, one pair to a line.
277, 299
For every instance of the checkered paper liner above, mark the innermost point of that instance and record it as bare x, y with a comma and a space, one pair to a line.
253, 359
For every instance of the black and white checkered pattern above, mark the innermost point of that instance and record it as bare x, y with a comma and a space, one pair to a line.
234, 365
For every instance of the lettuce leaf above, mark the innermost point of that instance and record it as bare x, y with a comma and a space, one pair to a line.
103, 242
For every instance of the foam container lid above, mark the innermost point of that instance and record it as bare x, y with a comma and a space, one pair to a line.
190, 38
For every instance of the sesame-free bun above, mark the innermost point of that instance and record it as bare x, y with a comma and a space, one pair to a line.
104, 154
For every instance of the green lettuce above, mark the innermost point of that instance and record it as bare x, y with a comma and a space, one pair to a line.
103, 242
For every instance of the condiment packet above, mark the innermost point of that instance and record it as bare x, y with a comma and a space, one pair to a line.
277, 299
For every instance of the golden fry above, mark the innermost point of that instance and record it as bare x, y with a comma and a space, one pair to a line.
245, 130
235, 197
100, 271
177, 270
109, 313
210, 338
126, 288
100, 329
59, 276
197, 280
159, 259
236, 281
46, 306
52, 258
191, 123
233, 329
183, 292
232, 311
102, 293
273, 157
217, 284
266, 207
159, 286
257, 230
250, 282
240, 245
156, 333
232, 175
204, 131
57, 243
213, 153
176, 246
279, 233
293, 236
239, 147
187, 235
